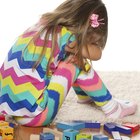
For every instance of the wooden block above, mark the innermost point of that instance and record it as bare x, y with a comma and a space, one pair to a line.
3, 123
100, 137
134, 127
83, 136
2, 117
69, 134
123, 129
90, 124
109, 127
55, 132
34, 137
7, 132
70, 125
116, 135
46, 136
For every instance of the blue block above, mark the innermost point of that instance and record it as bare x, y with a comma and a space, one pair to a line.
109, 127
123, 129
90, 124
100, 137
47, 136
70, 125
70, 134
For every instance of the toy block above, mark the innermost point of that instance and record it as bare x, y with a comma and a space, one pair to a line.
125, 138
123, 129
3, 123
34, 137
57, 138
90, 124
46, 136
83, 136
2, 117
100, 137
69, 134
134, 127
70, 125
55, 132
109, 127
116, 135
7, 132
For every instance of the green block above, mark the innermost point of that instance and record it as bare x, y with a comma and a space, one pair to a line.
83, 136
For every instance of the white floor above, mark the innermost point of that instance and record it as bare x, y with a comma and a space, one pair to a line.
122, 85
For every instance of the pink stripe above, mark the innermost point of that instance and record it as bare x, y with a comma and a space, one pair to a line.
65, 73
93, 87
88, 82
23, 79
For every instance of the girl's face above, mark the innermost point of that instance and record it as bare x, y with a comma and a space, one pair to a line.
92, 52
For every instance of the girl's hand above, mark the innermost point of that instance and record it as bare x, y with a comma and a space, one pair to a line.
72, 59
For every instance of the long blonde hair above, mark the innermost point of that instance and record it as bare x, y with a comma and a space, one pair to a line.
73, 14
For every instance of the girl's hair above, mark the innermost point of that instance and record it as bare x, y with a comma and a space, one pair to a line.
74, 15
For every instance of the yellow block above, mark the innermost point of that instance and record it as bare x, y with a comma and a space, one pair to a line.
3, 123
83, 136
7, 132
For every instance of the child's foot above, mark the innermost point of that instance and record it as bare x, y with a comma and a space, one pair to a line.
84, 101
117, 109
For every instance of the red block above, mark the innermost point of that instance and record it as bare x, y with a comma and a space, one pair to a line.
2, 117
134, 127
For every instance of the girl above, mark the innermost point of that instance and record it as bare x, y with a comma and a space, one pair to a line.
51, 57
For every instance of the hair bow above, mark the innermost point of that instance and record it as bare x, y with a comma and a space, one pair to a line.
95, 22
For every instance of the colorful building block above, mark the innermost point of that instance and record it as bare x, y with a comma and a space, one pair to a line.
109, 127
125, 138
70, 125
90, 124
116, 135
55, 132
2, 117
46, 136
7, 132
123, 129
100, 137
3, 123
134, 127
70, 134
34, 137
83, 136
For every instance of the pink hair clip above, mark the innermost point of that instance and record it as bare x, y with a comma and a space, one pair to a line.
95, 22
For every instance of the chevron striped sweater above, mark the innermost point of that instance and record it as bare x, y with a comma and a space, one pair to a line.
21, 89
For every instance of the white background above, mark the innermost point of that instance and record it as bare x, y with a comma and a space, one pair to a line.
123, 45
